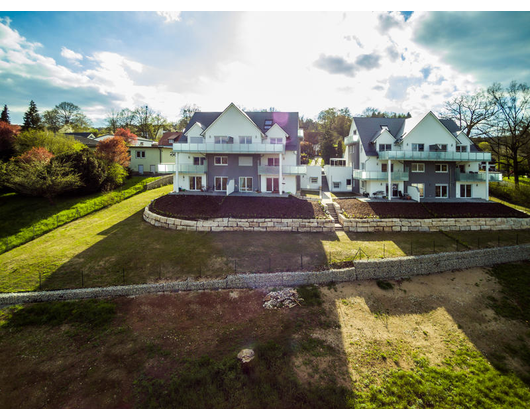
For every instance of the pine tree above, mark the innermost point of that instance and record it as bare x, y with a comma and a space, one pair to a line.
5, 115
32, 119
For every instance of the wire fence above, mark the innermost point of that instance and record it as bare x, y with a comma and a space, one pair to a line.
74, 276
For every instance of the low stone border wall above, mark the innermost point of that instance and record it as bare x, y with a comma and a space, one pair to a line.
231, 224
433, 225
389, 268
165, 180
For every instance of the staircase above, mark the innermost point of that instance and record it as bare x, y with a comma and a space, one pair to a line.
333, 214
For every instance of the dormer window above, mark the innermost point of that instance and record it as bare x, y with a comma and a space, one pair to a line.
385, 127
267, 125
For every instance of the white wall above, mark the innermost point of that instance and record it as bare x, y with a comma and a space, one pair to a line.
429, 132
338, 174
233, 123
312, 172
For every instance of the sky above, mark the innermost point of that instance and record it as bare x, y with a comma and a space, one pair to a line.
302, 61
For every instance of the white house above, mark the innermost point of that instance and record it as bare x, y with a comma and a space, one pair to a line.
238, 151
423, 157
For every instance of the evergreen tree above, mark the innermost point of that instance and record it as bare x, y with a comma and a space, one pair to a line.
5, 115
32, 120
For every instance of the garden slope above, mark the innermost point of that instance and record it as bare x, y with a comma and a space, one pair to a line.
208, 207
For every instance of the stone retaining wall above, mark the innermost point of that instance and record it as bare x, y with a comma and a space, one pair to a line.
232, 224
433, 225
165, 180
390, 268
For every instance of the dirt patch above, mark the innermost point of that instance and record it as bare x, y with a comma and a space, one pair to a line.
208, 206
360, 209
357, 337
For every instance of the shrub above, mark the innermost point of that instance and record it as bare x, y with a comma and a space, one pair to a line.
116, 175
92, 171
54, 143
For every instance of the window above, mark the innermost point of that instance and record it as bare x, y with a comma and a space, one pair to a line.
245, 184
441, 167
384, 167
273, 162
385, 127
441, 190
336, 185
465, 190
140, 154
420, 187
195, 183
245, 139
442, 147
221, 160
461, 148
220, 139
220, 183
417, 167
267, 125
385, 147
245, 160
348, 182
198, 160
313, 180
276, 140
418, 147
363, 185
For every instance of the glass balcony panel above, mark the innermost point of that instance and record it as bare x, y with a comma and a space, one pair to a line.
378, 175
438, 156
228, 148
286, 170
479, 177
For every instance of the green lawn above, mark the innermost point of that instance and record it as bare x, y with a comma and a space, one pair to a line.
23, 218
115, 246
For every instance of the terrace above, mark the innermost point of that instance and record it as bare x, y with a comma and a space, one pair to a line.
435, 156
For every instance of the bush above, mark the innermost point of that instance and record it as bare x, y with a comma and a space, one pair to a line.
507, 192
116, 175
92, 171
54, 143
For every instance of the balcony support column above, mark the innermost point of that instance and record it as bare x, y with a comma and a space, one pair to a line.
280, 174
487, 181
176, 179
389, 169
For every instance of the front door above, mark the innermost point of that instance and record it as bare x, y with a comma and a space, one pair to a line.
273, 185
153, 169
141, 169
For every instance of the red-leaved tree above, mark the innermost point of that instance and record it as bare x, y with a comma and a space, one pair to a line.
130, 138
8, 134
37, 154
114, 150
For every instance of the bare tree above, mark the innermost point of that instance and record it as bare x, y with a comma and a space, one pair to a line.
509, 130
471, 111
112, 120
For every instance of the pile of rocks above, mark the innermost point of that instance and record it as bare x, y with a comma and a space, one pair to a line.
285, 298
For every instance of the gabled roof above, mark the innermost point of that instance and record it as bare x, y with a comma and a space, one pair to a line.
90, 142
370, 128
276, 125
232, 105
288, 121
170, 135
85, 135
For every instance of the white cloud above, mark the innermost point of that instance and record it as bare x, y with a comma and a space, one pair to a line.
71, 56
170, 16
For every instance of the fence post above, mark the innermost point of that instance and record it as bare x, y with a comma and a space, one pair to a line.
123, 273
411, 248
517, 240
456, 244
235, 266
82, 279
498, 240
384, 250
270, 264
301, 262
434, 247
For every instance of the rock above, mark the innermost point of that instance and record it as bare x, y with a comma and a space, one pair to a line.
246, 355
283, 298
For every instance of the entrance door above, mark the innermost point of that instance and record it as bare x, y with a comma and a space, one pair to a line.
273, 185
141, 169
153, 169
394, 190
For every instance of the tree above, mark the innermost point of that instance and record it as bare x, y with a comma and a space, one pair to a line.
52, 120
91, 170
125, 133
327, 148
5, 115
509, 129
186, 112
37, 154
32, 119
112, 120
55, 143
473, 112
42, 179
126, 118
70, 114
114, 150
8, 134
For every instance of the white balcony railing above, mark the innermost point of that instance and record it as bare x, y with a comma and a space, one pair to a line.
479, 177
286, 170
438, 156
228, 148
378, 175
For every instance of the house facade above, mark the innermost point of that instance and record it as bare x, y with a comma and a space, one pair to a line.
423, 157
238, 151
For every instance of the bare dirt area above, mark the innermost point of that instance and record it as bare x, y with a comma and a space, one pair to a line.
359, 334
360, 209
208, 206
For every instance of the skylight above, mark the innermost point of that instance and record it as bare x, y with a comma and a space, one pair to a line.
267, 125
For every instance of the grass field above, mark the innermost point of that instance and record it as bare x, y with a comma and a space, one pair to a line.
115, 246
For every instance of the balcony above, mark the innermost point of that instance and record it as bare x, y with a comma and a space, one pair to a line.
184, 168
479, 177
437, 156
351, 140
380, 176
228, 148
286, 170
